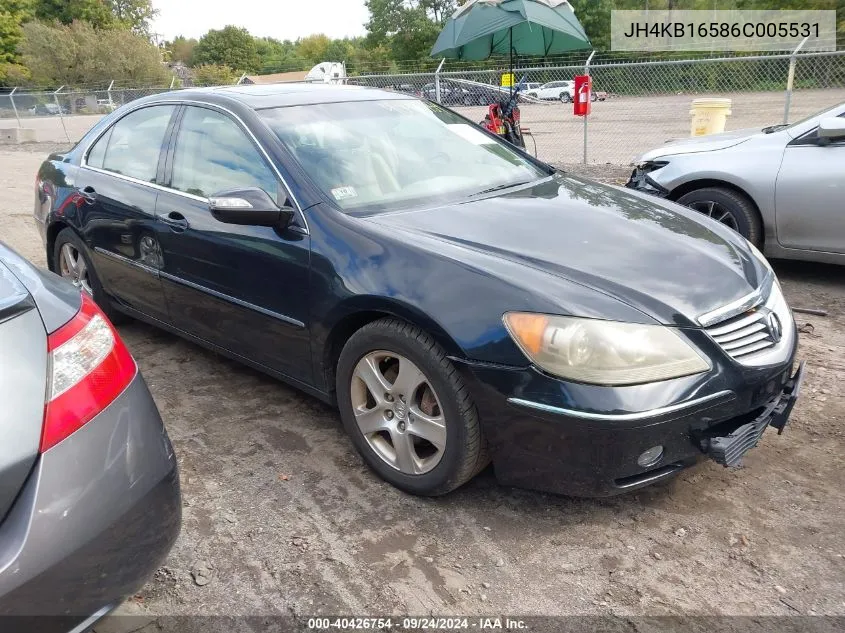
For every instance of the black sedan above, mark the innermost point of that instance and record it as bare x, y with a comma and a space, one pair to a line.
459, 301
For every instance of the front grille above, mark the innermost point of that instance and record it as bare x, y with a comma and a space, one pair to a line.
744, 334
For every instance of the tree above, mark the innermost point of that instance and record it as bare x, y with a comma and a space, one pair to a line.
231, 46
408, 27
313, 48
276, 56
78, 54
181, 49
213, 75
134, 15
98, 13
13, 13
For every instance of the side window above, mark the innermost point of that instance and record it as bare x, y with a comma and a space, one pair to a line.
133, 145
213, 153
98, 152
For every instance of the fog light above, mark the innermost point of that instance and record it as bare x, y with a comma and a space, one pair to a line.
651, 456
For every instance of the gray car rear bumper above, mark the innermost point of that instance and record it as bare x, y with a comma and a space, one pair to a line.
98, 514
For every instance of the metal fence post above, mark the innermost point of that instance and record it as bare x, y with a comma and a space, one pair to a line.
437, 80
14, 107
108, 92
790, 80
172, 81
586, 72
61, 114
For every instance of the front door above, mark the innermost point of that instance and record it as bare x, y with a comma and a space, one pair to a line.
242, 288
119, 223
810, 195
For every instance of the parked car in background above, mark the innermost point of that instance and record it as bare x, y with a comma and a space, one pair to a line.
49, 109
554, 91
89, 487
467, 94
781, 187
106, 105
331, 236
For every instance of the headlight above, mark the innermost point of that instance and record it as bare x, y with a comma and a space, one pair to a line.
603, 352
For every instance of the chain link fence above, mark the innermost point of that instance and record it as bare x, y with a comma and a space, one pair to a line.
638, 105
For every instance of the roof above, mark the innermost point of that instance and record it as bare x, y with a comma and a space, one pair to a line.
275, 78
280, 95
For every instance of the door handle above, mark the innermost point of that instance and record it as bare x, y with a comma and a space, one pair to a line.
175, 220
88, 194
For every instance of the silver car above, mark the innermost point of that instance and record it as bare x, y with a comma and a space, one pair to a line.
781, 187
89, 488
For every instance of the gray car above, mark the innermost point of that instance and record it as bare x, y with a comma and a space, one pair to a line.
781, 187
89, 487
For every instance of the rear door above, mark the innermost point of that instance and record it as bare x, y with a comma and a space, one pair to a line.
23, 385
118, 179
810, 191
242, 288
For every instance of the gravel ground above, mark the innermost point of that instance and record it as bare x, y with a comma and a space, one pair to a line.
282, 517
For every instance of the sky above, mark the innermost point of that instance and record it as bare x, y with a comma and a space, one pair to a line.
282, 19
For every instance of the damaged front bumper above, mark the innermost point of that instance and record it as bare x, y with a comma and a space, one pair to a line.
727, 447
642, 181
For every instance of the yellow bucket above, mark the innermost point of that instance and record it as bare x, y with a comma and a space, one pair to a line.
709, 116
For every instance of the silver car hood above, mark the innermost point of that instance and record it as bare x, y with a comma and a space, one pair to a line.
698, 144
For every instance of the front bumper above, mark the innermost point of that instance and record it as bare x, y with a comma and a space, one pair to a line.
641, 181
97, 516
582, 440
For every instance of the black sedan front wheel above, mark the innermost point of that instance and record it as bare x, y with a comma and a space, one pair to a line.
407, 410
729, 207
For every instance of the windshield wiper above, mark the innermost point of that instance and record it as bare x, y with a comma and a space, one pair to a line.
500, 187
774, 128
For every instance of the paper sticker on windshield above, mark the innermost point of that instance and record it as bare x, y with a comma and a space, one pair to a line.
471, 134
344, 193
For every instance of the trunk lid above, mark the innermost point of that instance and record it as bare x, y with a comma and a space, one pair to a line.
23, 385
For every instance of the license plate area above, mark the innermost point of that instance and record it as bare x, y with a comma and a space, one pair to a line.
727, 443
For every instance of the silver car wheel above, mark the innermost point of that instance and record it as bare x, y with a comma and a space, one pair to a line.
398, 412
72, 266
717, 212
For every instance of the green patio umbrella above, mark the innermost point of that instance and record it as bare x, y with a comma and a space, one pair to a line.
482, 28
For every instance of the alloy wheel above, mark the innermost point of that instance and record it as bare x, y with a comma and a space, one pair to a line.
72, 266
398, 412
717, 212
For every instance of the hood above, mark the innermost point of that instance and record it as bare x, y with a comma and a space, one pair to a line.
696, 144
663, 259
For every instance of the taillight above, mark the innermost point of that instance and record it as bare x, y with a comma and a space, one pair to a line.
89, 367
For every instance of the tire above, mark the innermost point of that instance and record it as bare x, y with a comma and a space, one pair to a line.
593, 97
565, 98
464, 451
716, 202
68, 237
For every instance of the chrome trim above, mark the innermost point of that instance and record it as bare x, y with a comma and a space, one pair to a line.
743, 304
86, 624
662, 473
177, 102
138, 181
234, 300
126, 260
620, 417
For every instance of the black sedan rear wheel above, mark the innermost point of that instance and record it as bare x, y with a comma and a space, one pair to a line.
729, 207
71, 261
407, 410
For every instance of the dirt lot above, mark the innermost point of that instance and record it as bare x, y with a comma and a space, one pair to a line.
290, 521
619, 129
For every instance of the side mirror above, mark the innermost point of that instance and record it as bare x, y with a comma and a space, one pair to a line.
832, 128
250, 206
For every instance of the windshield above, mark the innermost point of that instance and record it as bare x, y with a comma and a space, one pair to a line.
392, 154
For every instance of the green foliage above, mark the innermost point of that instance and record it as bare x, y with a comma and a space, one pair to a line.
78, 54
181, 49
95, 12
13, 13
134, 15
214, 75
230, 46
